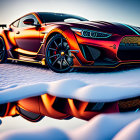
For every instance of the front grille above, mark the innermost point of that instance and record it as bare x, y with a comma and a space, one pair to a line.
129, 48
90, 52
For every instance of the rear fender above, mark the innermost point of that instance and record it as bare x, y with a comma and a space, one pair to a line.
8, 39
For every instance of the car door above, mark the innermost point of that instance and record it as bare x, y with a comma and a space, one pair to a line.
27, 37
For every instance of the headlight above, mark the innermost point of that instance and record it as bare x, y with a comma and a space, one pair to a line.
90, 33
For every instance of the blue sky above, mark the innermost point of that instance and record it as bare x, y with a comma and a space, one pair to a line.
124, 11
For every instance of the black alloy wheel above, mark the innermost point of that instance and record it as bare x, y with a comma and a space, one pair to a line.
2, 50
58, 55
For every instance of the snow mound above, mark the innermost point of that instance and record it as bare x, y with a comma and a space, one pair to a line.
21, 92
68, 88
48, 134
104, 126
130, 132
101, 127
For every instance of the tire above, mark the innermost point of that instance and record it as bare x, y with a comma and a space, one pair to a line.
58, 56
3, 109
3, 52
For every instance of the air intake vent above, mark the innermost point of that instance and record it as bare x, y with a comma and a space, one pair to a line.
89, 52
129, 48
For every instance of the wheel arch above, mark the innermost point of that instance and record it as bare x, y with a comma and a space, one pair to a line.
52, 33
49, 35
4, 36
71, 39
66, 33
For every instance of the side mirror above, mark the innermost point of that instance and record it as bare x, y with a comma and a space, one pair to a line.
28, 21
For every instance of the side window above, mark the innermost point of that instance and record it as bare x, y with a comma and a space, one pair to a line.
21, 24
15, 24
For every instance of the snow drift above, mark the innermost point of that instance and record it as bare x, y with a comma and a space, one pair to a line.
69, 88
101, 127
132, 130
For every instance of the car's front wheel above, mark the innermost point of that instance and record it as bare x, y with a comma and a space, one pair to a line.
2, 51
58, 55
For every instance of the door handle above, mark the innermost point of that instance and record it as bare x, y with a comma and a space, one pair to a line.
18, 32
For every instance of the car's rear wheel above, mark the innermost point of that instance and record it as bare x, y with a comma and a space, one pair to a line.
3, 109
3, 56
58, 55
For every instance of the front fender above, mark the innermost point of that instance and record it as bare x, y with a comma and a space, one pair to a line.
69, 36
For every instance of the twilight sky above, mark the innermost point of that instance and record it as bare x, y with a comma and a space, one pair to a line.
124, 11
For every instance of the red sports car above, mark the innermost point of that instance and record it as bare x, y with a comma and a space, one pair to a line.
62, 41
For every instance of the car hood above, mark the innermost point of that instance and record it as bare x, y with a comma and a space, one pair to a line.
108, 27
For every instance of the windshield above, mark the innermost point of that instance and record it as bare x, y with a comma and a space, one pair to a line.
58, 17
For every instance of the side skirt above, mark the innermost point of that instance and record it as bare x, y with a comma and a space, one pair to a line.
109, 66
42, 62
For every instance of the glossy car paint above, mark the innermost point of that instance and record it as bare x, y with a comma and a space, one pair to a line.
31, 41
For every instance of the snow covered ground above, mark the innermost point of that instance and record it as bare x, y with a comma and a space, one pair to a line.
93, 86
19, 74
